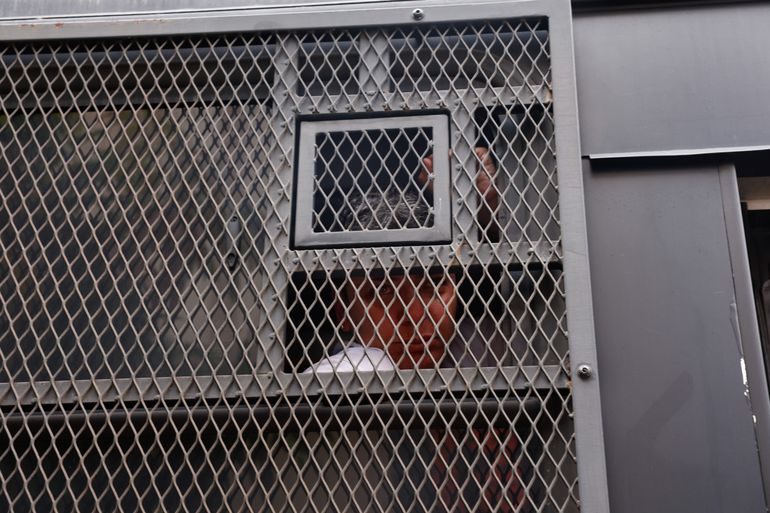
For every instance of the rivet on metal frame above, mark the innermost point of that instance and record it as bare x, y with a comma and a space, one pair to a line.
584, 371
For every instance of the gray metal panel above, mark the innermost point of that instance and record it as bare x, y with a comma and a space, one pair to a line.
47, 8
678, 429
278, 18
673, 80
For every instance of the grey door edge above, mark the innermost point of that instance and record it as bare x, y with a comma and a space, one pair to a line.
745, 321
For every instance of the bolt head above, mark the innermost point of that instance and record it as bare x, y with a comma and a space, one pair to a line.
584, 371
418, 14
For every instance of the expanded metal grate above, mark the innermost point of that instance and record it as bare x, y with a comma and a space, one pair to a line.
166, 343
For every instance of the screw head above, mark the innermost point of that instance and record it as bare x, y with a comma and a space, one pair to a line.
584, 371
418, 14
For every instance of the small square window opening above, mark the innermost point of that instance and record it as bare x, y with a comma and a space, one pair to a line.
372, 182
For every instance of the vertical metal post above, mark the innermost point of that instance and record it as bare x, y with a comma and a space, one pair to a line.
589, 440
275, 262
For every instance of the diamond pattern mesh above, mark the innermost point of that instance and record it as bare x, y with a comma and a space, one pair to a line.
163, 347
356, 165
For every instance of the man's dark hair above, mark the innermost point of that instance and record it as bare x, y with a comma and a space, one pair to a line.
391, 210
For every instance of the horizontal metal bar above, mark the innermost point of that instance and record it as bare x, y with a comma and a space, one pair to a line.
131, 390
218, 53
124, 57
208, 388
680, 152
414, 100
523, 254
305, 417
240, 20
42, 9
414, 381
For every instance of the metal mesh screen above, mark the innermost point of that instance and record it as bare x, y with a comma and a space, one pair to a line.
165, 347
343, 157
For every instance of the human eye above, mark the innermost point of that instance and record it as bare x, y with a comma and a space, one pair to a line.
387, 290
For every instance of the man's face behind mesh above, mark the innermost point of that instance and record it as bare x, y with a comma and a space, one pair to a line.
411, 316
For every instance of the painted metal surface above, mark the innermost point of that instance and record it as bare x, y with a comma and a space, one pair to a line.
248, 162
678, 427
685, 80
308, 227
24, 9
276, 18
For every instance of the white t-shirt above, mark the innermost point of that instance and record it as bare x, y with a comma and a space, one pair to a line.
472, 346
354, 357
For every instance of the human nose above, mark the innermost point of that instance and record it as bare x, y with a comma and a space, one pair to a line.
418, 316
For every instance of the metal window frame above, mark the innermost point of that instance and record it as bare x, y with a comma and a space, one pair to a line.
592, 479
303, 234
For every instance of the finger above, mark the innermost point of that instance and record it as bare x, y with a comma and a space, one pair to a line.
427, 163
485, 156
423, 176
